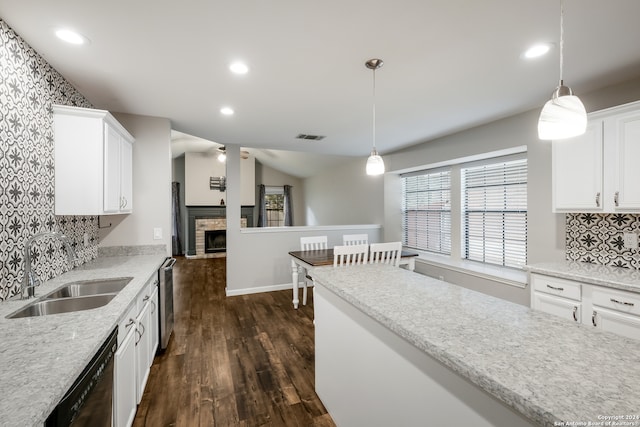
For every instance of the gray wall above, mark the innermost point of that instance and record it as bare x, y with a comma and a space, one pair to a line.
345, 195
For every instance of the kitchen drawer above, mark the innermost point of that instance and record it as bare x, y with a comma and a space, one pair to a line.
565, 308
626, 302
145, 293
558, 287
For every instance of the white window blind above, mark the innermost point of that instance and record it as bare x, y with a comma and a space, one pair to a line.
495, 213
426, 211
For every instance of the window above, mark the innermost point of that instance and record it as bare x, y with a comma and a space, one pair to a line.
494, 210
274, 204
426, 211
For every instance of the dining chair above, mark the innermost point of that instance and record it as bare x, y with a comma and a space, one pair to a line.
385, 253
355, 239
311, 243
350, 255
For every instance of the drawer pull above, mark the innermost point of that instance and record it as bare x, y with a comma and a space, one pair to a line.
575, 312
593, 318
554, 288
630, 304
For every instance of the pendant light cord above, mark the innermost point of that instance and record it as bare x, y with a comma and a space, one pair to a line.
561, 39
374, 109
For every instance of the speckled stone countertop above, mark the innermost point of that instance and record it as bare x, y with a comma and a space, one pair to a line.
40, 357
550, 370
602, 275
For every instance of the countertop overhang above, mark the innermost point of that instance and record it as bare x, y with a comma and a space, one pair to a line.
548, 369
40, 357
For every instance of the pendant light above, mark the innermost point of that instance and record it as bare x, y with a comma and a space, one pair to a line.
564, 115
375, 164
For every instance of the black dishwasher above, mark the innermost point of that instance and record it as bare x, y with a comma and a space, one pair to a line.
89, 400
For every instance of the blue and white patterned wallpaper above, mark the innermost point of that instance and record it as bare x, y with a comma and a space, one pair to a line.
598, 239
28, 88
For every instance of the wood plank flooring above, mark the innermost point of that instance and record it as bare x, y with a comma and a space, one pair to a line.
232, 361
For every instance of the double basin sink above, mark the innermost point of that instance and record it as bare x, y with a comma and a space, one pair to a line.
74, 296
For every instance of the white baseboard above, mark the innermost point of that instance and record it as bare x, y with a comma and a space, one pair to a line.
260, 289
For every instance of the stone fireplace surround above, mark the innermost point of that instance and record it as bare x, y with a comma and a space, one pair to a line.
202, 218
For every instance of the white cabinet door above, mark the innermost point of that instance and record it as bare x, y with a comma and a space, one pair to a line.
625, 131
143, 347
126, 176
111, 170
618, 323
124, 389
567, 309
155, 325
577, 165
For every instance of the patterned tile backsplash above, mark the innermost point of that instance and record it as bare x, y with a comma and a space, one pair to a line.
598, 239
28, 88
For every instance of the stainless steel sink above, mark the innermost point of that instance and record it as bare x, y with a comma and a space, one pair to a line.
90, 287
62, 305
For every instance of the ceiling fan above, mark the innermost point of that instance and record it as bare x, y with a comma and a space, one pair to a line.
222, 156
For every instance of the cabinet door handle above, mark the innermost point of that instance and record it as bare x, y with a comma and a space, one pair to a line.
615, 198
593, 318
598, 199
630, 304
575, 313
554, 288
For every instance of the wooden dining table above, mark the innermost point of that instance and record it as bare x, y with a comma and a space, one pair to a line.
304, 262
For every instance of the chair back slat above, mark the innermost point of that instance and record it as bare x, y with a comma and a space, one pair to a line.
355, 239
385, 253
313, 243
350, 255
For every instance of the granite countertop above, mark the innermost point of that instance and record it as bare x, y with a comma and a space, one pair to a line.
40, 357
549, 370
602, 275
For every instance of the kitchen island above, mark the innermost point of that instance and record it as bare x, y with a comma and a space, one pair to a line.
399, 348
40, 357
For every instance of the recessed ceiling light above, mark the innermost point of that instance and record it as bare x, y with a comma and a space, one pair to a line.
239, 68
227, 111
71, 36
537, 50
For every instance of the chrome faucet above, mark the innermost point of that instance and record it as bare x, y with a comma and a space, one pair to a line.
30, 279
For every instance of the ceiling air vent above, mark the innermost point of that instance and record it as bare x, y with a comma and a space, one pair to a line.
311, 137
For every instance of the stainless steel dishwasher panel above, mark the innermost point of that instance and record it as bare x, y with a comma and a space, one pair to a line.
165, 280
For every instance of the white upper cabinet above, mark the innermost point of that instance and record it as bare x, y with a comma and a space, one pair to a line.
596, 172
624, 130
577, 171
93, 163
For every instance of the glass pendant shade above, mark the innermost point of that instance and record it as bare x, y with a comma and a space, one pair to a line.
375, 164
563, 116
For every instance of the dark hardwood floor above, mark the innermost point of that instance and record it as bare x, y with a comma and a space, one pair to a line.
232, 361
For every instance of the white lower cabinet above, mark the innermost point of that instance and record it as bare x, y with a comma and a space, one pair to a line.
608, 309
136, 350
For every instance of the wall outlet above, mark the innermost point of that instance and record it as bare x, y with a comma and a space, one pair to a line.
630, 240
157, 233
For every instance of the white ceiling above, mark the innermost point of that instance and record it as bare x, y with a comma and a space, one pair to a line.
449, 64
